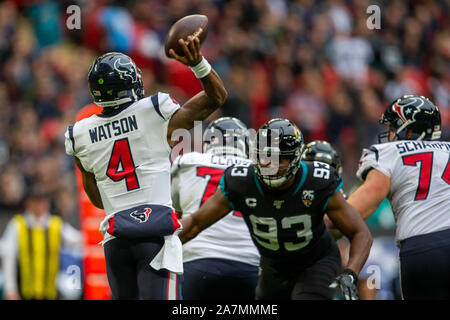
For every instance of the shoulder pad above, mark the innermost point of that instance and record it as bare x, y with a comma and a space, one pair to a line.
165, 106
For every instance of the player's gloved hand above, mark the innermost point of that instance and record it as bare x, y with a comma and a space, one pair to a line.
346, 281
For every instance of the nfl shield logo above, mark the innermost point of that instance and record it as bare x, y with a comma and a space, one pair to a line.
308, 197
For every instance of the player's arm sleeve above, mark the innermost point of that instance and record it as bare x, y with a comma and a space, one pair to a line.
225, 188
69, 141
376, 157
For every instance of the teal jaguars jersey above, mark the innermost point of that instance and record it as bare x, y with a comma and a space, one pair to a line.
284, 224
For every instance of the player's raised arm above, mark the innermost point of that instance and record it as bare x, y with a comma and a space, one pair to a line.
205, 102
212, 210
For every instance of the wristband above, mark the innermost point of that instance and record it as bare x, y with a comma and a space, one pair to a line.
202, 69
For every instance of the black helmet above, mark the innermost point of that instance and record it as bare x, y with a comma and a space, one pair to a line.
226, 136
115, 79
276, 139
413, 112
322, 151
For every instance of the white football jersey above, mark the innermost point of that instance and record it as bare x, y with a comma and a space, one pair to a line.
127, 152
195, 177
420, 183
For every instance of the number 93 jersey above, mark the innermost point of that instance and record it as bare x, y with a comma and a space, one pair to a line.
287, 224
419, 173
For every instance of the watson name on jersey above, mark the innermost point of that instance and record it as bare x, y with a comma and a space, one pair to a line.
419, 170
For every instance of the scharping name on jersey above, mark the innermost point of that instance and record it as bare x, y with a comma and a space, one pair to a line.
412, 145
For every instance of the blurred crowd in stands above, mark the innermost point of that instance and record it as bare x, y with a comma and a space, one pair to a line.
314, 62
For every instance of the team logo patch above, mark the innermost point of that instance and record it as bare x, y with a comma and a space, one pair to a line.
308, 197
250, 202
141, 216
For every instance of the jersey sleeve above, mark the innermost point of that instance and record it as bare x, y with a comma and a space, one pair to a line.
165, 105
69, 141
380, 157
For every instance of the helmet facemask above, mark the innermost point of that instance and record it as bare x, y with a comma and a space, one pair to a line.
268, 175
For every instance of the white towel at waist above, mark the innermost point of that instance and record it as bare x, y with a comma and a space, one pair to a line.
170, 256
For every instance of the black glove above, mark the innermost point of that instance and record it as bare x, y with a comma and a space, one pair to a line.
346, 281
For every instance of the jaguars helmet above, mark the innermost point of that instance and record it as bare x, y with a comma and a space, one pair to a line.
114, 79
322, 151
413, 112
226, 136
278, 138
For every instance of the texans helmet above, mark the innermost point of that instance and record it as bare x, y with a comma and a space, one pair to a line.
322, 151
413, 113
226, 136
114, 79
276, 139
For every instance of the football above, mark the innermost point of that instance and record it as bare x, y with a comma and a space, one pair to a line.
195, 25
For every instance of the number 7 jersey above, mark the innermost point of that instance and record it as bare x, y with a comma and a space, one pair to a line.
127, 152
419, 172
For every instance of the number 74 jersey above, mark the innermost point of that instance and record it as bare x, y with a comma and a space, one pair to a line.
419, 172
285, 225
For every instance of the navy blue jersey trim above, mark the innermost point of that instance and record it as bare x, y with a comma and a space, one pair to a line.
70, 130
335, 191
155, 102
365, 173
109, 112
374, 150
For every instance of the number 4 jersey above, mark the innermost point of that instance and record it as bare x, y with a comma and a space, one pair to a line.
285, 225
420, 183
127, 152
